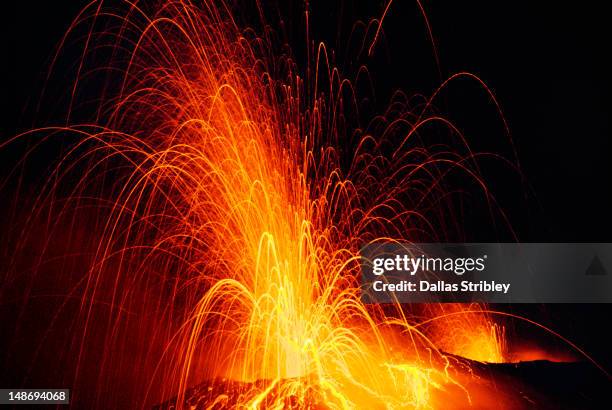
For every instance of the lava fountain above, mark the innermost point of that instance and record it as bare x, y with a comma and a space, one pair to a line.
234, 194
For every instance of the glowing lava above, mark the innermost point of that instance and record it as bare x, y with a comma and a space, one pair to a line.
232, 203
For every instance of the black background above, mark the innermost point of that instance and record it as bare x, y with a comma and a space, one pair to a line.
546, 61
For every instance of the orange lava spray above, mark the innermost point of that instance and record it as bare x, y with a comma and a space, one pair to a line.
236, 195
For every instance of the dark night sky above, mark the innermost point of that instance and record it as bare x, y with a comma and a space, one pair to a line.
546, 62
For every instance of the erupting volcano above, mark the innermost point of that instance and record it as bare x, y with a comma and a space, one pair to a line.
217, 199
